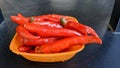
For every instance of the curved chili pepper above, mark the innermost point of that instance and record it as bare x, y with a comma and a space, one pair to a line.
74, 25
52, 17
48, 24
37, 42
60, 45
50, 32
57, 17
20, 15
91, 31
85, 30
24, 33
19, 20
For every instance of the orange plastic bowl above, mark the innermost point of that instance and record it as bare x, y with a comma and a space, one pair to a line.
56, 57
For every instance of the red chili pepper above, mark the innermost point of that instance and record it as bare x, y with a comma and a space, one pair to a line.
50, 32
52, 17
85, 30
24, 33
20, 15
91, 31
56, 18
47, 17
48, 24
35, 18
24, 48
19, 20
40, 41
39, 18
60, 45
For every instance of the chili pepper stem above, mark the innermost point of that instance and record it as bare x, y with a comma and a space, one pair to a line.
31, 19
63, 21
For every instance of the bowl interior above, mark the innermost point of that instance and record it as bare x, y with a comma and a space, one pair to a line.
70, 51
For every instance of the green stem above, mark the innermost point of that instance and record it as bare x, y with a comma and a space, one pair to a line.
63, 21
31, 19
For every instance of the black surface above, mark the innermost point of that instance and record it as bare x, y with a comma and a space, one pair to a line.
1, 17
95, 13
118, 26
115, 15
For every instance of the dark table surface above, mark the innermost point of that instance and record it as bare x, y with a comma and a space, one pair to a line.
95, 13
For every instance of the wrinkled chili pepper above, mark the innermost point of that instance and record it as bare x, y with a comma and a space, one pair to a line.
50, 32
24, 33
40, 41
83, 29
48, 24
60, 45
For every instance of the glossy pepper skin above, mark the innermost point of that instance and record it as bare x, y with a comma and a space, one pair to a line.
83, 29
60, 45
52, 17
37, 42
50, 32
61, 32
24, 33
48, 24
48, 17
24, 48
19, 20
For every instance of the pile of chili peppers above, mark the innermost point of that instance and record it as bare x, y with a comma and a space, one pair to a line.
52, 33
